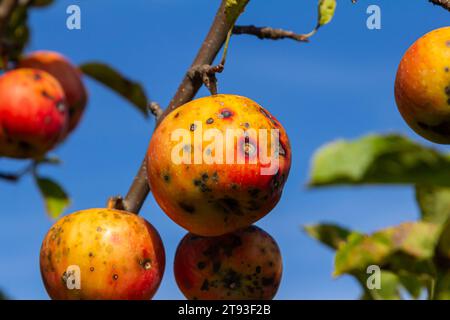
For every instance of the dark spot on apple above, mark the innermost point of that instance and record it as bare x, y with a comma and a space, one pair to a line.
187, 207
225, 114
210, 121
232, 279
46, 95
216, 266
254, 192
229, 205
267, 281
205, 285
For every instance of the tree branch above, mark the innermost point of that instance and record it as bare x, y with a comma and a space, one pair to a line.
155, 109
207, 74
187, 90
269, 33
443, 3
6, 8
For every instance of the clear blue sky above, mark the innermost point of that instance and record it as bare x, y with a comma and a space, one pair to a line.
339, 85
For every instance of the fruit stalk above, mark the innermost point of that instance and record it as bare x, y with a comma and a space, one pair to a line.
186, 91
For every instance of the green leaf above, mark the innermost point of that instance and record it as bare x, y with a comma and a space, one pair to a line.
442, 290
389, 287
130, 90
409, 246
377, 159
55, 198
444, 245
234, 8
331, 235
413, 285
434, 203
326, 11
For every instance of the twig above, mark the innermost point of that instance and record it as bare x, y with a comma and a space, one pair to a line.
155, 109
207, 74
187, 90
269, 33
14, 177
443, 3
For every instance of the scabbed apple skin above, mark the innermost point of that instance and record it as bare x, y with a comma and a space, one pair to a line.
33, 113
422, 86
212, 199
68, 75
245, 264
120, 256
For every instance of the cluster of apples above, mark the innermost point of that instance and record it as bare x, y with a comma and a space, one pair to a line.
41, 102
121, 256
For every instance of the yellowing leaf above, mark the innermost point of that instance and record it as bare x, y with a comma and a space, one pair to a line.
55, 198
326, 11
405, 247
330, 235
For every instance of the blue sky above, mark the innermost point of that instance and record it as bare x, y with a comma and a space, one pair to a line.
338, 86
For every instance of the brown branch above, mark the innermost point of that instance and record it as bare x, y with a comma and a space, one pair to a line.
443, 3
6, 8
155, 109
187, 90
269, 33
207, 74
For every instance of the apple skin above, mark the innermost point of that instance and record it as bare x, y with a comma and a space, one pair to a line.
422, 86
120, 256
214, 198
245, 264
33, 113
68, 75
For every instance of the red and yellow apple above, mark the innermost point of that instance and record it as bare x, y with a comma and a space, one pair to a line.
115, 254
